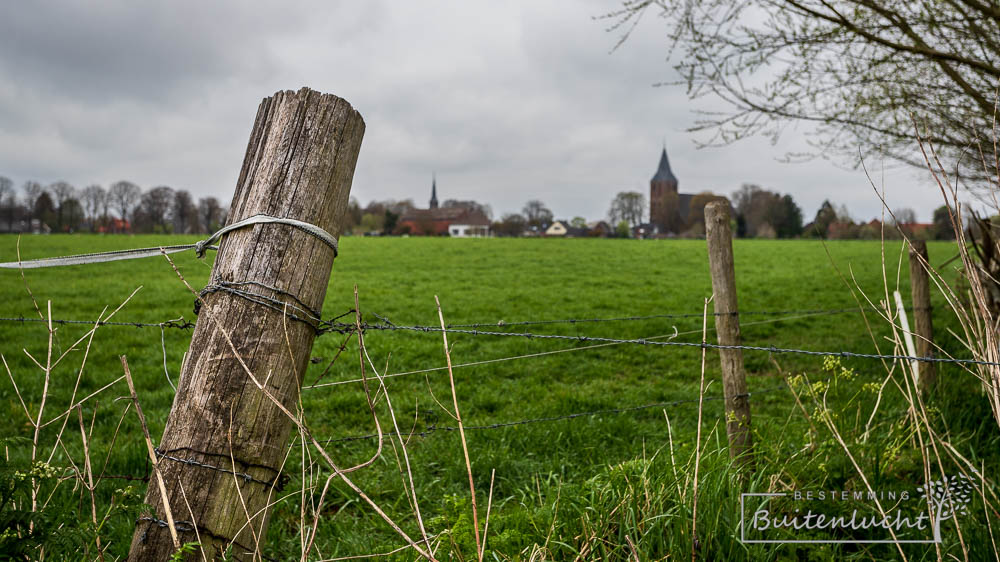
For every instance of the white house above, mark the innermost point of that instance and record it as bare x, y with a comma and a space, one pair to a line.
557, 228
469, 230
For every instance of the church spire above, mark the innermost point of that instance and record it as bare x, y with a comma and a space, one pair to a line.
663, 172
434, 195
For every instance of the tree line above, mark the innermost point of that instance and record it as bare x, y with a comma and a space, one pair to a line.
761, 213
122, 207
125, 207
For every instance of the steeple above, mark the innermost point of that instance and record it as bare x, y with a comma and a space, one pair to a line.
663, 172
434, 193
664, 201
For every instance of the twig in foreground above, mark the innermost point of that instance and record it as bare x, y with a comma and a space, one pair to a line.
461, 428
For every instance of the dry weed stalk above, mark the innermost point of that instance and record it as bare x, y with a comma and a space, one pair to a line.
152, 455
461, 427
697, 441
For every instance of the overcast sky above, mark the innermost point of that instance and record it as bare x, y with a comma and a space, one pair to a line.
505, 101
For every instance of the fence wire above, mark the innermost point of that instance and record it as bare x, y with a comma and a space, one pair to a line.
538, 354
334, 326
348, 328
179, 323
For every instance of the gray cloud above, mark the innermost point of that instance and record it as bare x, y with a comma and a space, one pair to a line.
506, 102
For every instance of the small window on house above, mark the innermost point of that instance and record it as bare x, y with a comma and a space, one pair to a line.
454, 231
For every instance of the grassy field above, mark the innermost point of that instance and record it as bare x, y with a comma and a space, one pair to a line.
565, 488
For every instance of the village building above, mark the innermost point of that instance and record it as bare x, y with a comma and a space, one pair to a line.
672, 213
557, 228
458, 222
668, 209
564, 229
599, 229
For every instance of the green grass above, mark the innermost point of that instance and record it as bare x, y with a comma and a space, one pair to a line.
591, 464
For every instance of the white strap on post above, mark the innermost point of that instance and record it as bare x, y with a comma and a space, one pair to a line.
911, 349
198, 247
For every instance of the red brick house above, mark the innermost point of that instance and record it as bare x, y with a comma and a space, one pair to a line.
459, 222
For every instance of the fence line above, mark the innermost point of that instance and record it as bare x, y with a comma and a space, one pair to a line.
179, 323
502, 323
348, 328
553, 352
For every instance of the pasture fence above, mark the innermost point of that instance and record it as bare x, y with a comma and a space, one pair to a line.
293, 131
198, 460
345, 328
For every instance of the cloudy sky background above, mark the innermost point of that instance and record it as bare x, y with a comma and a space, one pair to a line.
506, 102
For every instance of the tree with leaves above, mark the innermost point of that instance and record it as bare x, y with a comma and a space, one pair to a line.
943, 229
855, 69
825, 216
787, 217
45, 210
695, 227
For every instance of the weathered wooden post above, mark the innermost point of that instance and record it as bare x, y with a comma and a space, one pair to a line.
224, 439
923, 328
727, 326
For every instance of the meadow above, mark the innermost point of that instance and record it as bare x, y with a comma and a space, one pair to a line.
589, 486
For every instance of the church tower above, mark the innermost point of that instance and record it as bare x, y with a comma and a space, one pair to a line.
434, 192
662, 192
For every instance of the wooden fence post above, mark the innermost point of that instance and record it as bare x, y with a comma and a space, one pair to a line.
727, 326
224, 439
923, 328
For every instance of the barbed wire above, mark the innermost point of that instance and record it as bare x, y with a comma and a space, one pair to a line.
277, 482
179, 323
672, 315
343, 328
298, 310
185, 526
332, 325
550, 352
